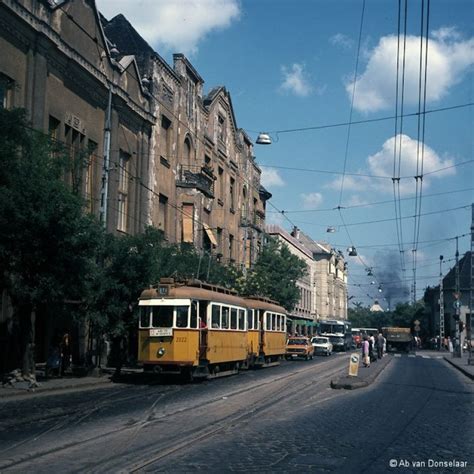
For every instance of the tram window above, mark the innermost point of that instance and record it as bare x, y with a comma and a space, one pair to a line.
241, 319
216, 316
233, 318
145, 317
162, 317
182, 316
278, 322
249, 319
194, 313
267, 322
225, 317
274, 326
256, 324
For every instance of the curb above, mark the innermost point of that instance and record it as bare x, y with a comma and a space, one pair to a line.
461, 369
346, 382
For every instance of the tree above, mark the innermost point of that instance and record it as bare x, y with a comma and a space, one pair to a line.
274, 275
47, 243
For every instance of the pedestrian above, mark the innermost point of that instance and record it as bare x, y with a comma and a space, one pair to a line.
371, 349
450, 345
365, 352
380, 343
65, 353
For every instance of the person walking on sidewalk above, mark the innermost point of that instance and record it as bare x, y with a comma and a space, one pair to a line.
365, 352
380, 343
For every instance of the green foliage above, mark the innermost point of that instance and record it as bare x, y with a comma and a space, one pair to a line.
404, 315
46, 241
274, 275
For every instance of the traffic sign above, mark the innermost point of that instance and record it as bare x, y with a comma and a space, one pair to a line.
456, 304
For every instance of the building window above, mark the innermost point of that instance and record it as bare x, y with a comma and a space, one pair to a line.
166, 137
231, 247
190, 100
221, 128
187, 152
163, 214
123, 180
188, 223
6, 92
219, 240
75, 144
221, 185
91, 165
231, 194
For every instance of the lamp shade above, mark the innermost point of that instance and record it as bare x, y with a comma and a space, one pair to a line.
263, 139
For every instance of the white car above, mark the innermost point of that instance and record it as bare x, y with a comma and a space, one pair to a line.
321, 345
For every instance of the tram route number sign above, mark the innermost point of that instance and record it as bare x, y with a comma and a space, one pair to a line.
354, 365
160, 332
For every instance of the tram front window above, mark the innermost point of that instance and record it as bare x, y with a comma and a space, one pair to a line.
182, 316
145, 317
162, 317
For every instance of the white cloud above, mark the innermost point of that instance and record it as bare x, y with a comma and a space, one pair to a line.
381, 164
178, 25
271, 178
341, 40
311, 200
449, 57
295, 80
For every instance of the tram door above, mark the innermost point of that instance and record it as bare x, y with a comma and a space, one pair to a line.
202, 311
261, 322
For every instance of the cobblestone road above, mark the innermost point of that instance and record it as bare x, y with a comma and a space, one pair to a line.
283, 419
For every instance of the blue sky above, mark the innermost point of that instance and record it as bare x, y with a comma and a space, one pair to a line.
290, 65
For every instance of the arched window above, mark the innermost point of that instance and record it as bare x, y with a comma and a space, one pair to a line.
187, 152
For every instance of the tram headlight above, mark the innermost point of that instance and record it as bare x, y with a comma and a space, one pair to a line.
161, 352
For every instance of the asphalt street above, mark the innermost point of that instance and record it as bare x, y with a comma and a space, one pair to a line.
417, 415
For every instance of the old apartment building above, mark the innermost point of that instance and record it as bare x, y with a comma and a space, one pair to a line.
147, 146
174, 157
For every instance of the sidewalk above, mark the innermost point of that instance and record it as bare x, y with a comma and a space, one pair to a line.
67, 382
461, 364
365, 377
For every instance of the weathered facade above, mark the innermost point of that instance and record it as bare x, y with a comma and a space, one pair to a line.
57, 64
204, 184
146, 146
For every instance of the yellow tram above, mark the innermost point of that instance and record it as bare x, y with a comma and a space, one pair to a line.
266, 331
202, 330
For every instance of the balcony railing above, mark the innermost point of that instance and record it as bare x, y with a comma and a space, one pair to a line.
251, 219
197, 177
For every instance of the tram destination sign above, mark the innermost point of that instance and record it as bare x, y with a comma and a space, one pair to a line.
160, 332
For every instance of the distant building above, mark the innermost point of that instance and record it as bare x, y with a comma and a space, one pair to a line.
376, 308
324, 289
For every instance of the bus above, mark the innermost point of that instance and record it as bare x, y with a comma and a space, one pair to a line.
339, 333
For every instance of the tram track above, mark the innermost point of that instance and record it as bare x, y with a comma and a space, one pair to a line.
193, 437
181, 439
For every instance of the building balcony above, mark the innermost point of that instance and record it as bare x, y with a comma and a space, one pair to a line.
251, 219
196, 177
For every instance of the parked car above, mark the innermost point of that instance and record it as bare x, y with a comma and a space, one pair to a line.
299, 347
322, 345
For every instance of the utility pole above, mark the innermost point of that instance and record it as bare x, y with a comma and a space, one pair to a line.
471, 293
457, 343
441, 302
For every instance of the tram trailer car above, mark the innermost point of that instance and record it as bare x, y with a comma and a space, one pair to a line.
201, 331
266, 331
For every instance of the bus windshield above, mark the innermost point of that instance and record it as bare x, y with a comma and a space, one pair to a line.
332, 328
